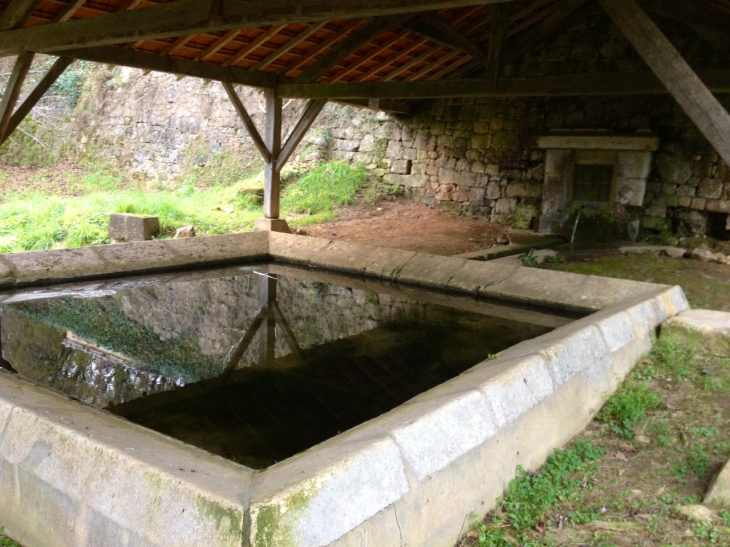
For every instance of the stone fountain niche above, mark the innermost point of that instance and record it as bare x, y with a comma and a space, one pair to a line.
600, 170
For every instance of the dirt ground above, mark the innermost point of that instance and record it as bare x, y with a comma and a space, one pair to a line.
404, 224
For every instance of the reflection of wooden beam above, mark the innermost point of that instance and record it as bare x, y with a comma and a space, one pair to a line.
36, 95
172, 19
237, 352
685, 86
170, 65
619, 83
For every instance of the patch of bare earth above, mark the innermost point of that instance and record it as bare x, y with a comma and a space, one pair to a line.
404, 224
61, 180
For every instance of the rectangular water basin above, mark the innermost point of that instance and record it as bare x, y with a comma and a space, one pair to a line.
253, 363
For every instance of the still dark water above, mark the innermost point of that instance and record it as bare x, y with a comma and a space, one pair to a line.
254, 364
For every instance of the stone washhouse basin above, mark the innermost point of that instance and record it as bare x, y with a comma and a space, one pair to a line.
72, 475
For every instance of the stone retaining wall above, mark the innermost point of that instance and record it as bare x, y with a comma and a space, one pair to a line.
476, 157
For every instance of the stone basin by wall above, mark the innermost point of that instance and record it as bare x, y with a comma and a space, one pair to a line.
71, 475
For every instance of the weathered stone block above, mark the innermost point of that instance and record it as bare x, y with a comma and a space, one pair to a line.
318, 503
710, 188
704, 330
126, 227
409, 181
674, 169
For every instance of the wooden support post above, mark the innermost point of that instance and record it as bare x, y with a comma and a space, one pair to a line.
12, 91
36, 95
500, 15
272, 175
690, 92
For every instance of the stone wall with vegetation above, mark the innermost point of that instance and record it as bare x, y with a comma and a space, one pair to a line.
469, 156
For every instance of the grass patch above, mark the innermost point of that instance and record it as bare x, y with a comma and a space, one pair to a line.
526, 504
35, 221
655, 446
5, 542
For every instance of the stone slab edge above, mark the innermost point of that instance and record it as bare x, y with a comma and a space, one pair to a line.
44, 267
91, 468
500, 281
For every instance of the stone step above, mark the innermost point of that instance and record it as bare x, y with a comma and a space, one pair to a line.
704, 330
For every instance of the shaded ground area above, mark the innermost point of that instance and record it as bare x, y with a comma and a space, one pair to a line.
63, 180
408, 225
707, 285
628, 479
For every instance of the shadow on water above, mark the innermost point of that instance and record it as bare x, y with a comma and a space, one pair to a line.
252, 364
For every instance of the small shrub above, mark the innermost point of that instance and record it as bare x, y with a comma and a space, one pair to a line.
326, 186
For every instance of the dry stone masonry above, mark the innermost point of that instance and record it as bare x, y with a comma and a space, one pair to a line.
476, 157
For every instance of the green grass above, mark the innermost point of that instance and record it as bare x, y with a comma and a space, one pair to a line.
34, 221
628, 407
5, 542
564, 478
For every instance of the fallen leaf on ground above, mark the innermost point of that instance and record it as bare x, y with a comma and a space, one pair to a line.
621, 456
621, 472
472, 534
648, 362
627, 447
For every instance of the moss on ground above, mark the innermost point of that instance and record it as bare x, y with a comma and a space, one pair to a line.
706, 285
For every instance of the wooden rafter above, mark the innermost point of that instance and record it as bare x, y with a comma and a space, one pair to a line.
441, 32
433, 66
172, 19
413, 62
219, 44
367, 57
286, 48
69, 11
367, 33
252, 46
325, 45
385, 63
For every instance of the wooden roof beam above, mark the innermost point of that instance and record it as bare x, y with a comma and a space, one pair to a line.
686, 87
66, 13
631, 83
171, 65
172, 19
12, 91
